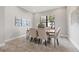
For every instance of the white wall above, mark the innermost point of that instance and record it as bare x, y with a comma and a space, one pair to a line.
2, 36
60, 21
11, 30
36, 20
73, 23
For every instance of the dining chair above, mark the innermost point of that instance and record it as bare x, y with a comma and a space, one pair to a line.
57, 36
33, 34
50, 32
42, 35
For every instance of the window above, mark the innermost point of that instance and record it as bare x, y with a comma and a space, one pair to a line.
18, 22
22, 22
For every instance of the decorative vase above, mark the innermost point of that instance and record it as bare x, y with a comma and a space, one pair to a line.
51, 20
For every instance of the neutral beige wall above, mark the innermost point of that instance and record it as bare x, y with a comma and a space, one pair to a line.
11, 30
60, 21
73, 25
2, 36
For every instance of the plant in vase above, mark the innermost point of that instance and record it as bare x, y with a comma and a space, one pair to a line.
51, 20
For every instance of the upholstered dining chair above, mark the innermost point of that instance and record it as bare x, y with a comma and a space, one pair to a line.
55, 35
33, 34
57, 32
42, 35
48, 32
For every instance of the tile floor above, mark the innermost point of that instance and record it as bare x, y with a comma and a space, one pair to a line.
24, 45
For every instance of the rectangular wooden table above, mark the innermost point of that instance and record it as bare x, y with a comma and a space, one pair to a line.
50, 32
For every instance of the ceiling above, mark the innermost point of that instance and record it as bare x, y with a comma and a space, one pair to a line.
36, 9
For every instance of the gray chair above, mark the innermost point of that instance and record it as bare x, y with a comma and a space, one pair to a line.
55, 35
42, 35
57, 32
33, 34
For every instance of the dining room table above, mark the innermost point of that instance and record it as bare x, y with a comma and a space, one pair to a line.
50, 32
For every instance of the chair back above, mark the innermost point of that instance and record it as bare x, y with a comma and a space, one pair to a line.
32, 32
57, 32
42, 33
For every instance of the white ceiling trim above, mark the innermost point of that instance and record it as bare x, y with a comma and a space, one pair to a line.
36, 9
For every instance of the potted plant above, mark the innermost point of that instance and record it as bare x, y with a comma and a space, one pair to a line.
51, 20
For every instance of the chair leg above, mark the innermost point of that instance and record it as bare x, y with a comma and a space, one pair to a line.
34, 40
57, 42
31, 39
45, 43
38, 41
49, 41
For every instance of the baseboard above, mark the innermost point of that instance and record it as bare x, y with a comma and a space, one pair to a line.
3, 44
14, 38
76, 46
64, 36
